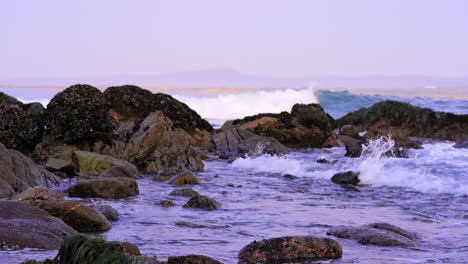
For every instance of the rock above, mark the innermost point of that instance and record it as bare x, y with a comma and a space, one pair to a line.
35, 109
113, 188
110, 213
7, 101
308, 126
82, 218
93, 164
289, 176
78, 116
379, 234
353, 145
350, 187
202, 202
461, 144
38, 194
192, 259
350, 131
158, 147
167, 203
26, 226
97, 251
348, 177
186, 192
237, 141
184, 178
18, 173
118, 172
403, 120
322, 161
290, 250
60, 165
19, 130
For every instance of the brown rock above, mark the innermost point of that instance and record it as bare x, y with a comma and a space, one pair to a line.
192, 259
113, 188
184, 178
38, 194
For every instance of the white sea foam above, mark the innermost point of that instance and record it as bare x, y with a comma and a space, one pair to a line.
235, 106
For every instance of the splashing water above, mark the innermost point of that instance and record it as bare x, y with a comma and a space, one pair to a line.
372, 161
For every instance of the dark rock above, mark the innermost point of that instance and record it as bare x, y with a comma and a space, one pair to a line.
38, 194
184, 178
322, 161
349, 177
35, 109
237, 141
19, 130
461, 144
26, 226
186, 192
78, 116
349, 130
403, 120
202, 202
308, 126
97, 251
7, 101
18, 173
350, 187
290, 250
192, 259
289, 176
75, 214
118, 172
110, 213
167, 203
353, 145
113, 188
60, 165
379, 234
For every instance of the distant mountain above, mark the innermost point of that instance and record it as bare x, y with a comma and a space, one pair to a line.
228, 78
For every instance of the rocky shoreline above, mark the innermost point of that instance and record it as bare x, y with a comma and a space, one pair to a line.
109, 139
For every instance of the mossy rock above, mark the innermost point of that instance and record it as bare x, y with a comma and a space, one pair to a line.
93, 164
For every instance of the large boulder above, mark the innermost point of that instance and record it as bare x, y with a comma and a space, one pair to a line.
18, 173
112, 188
75, 214
307, 126
26, 226
38, 194
192, 259
60, 165
85, 250
78, 116
18, 129
290, 249
349, 177
403, 120
237, 141
159, 147
379, 234
93, 164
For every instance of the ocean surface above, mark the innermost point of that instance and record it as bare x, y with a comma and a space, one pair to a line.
426, 193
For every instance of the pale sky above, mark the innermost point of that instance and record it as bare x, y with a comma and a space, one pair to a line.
275, 38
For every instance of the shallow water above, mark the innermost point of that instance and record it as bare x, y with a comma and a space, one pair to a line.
425, 194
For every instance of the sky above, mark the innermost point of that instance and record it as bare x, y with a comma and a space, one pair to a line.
272, 38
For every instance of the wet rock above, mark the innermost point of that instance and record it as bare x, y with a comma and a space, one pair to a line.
290, 250
186, 192
322, 161
38, 194
461, 144
379, 234
167, 203
184, 178
93, 164
118, 172
26, 226
60, 165
98, 251
307, 126
192, 259
238, 141
108, 211
403, 120
230, 185
158, 147
202, 202
349, 177
289, 176
19, 130
349, 130
353, 145
113, 188
18, 173
82, 218
78, 116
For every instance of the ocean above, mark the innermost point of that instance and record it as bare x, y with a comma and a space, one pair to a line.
426, 193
